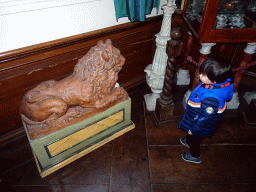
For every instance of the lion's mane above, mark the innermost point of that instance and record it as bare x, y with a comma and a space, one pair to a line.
100, 68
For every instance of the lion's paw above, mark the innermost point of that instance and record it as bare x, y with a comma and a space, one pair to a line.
101, 103
118, 91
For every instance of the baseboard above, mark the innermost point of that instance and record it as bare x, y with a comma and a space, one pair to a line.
9, 137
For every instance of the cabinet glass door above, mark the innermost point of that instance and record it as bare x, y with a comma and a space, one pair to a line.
236, 14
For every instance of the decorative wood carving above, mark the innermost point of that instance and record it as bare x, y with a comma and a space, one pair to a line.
188, 50
240, 74
164, 105
222, 49
92, 85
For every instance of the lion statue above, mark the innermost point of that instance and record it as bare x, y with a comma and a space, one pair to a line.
93, 84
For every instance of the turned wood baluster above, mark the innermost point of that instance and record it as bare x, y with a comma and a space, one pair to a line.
173, 51
248, 53
164, 105
188, 50
222, 49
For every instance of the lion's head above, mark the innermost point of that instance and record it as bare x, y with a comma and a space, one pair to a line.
100, 67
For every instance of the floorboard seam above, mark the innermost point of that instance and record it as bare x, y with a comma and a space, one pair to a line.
145, 124
111, 167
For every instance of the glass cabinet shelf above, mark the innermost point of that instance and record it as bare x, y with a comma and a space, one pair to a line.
214, 21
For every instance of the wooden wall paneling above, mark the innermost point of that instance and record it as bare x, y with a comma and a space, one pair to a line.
23, 69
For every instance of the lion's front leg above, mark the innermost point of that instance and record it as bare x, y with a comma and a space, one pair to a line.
116, 93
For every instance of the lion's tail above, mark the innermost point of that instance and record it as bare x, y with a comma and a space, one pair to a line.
29, 122
35, 97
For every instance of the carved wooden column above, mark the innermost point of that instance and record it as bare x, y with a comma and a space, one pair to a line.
222, 49
204, 53
182, 75
188, 50
248, 53
163, 113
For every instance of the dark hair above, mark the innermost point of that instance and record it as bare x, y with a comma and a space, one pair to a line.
217, 69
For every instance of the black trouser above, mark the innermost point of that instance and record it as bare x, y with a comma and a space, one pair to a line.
194, 144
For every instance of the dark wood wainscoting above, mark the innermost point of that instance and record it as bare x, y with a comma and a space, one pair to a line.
23, 69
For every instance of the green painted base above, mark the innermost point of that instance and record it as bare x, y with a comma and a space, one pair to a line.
62, 147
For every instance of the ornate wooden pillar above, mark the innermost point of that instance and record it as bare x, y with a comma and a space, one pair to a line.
222, 49
163, 113
248, 53
188, 50
182, 75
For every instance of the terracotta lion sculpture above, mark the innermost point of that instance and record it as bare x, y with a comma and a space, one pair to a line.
93, 84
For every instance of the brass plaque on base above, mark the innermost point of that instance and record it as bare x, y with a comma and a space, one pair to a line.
64, 146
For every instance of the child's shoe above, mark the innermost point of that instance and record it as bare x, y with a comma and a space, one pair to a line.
189, 158
183, 141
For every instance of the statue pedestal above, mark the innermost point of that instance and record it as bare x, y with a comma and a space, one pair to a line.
64, 146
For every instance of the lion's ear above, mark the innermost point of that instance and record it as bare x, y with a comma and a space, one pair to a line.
100, 42
108, 41
109, 48
105, 56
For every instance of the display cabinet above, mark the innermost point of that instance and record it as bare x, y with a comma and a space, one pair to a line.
213, 21
220, 21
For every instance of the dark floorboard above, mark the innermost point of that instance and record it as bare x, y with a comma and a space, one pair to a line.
145, 159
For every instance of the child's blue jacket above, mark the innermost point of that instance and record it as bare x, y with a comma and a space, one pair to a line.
205, 108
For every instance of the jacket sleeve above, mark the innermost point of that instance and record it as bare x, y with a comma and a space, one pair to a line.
205, 123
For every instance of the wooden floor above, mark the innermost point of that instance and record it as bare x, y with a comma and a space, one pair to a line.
146, 159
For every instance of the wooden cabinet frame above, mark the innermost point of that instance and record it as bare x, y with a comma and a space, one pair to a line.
207, 33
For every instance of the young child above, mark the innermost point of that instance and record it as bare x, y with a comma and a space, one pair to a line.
206, 105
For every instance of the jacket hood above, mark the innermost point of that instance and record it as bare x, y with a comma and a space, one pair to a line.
223, 90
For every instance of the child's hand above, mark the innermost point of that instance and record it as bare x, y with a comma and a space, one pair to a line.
189, 132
